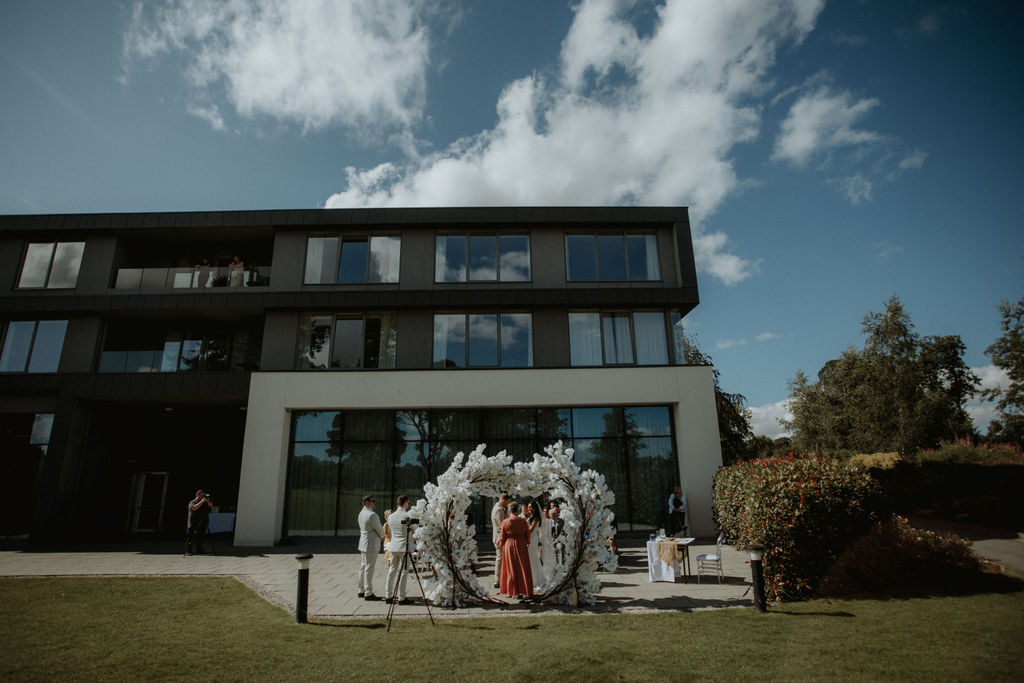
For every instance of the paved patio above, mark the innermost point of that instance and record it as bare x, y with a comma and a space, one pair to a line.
271, 573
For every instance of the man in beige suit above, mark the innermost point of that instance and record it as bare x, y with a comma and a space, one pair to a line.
371, 533
499, 513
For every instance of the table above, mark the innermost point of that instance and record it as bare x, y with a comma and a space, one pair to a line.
221, 522
658, 570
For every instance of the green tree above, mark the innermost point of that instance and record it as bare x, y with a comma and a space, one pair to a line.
1007, 352
900, 392
733, 416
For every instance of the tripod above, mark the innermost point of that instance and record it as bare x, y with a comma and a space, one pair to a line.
407, 559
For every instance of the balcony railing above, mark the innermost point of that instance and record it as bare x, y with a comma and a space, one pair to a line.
138, 279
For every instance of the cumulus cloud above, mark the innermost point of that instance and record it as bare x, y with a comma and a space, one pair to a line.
362, 63
724, 344
765, 336
764, 420
820, 121
627, 118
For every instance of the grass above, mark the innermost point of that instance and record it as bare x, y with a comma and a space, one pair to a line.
216, 629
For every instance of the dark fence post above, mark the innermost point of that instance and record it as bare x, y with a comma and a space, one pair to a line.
302, 590
757, 575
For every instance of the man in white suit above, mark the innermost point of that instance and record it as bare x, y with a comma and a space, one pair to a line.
371, 533
394, 589
499, 513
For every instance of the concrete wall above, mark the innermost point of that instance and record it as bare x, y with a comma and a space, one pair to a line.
272, 395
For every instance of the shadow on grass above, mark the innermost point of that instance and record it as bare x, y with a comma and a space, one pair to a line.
347, 624
811, 614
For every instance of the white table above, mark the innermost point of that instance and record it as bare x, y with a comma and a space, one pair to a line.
221, 522
658, 570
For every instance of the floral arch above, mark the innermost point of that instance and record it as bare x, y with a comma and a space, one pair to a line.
448, 543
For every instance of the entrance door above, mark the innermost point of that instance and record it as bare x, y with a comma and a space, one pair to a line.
150, 493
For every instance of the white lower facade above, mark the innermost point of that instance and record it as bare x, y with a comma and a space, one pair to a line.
689, 391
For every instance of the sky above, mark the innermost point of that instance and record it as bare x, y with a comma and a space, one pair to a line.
832, 154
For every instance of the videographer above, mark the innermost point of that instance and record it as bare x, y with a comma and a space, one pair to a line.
198, 521
400, 523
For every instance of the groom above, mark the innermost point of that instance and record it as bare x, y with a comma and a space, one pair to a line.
499, 513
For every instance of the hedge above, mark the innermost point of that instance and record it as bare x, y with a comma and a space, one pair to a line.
804, 510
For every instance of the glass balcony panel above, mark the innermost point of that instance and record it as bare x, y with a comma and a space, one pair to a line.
154, 278
128, 278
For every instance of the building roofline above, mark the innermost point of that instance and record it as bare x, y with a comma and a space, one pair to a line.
306, 218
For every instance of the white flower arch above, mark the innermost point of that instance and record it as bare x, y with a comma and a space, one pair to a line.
448, 543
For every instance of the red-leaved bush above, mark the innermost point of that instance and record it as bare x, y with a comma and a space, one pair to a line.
804, 510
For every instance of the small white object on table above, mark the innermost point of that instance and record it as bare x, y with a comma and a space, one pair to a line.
658, 570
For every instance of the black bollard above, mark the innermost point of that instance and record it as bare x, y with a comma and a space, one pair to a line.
302, 590
757, 575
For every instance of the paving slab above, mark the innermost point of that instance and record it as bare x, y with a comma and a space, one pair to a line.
272, 573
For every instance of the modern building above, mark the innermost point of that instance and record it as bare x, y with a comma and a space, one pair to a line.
291, 362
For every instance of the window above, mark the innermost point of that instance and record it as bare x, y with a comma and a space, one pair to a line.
617, 338
33, 346
346, 341
338, 456
483, 340
147, 347
482, 258
592, 257
51, 265
331, 259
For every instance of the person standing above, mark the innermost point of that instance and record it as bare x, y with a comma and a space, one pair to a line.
394, 589
236, 272
532, 513
676, 511
371, 533
499, 513
198, 521
514, 539
547, 550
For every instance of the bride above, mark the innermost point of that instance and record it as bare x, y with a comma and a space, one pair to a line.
533, 519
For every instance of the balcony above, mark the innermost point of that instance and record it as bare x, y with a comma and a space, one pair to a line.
148, 279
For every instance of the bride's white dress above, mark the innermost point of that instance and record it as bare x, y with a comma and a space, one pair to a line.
536, 567
547, 546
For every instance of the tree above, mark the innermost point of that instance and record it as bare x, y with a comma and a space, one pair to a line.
733, 416
1007, 353
901, 392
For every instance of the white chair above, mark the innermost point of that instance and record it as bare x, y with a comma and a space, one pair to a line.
711, 562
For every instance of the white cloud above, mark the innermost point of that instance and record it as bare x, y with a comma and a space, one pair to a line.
765, 336
724, 344
913, 160
983, 412
361, 63
764, 420
627, 119
885, 249
856, 188
821, 121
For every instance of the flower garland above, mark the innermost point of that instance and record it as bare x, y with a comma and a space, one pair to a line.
447, 543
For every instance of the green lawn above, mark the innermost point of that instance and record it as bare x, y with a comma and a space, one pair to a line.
217, 629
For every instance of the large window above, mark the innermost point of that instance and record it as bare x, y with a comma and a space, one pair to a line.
482, 258
33, 345
51, 265
337, 457
483, 340
332, 259
340, 341
150, 347
618, 338
590, 257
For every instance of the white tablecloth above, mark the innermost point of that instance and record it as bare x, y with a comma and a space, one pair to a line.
221, 522
657, 570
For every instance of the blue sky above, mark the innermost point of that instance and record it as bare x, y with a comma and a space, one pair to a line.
833, 154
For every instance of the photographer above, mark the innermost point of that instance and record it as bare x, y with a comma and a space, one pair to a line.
401, 528
198, 521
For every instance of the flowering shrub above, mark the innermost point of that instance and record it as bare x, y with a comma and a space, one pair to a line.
804, 510
448, 544
897, 559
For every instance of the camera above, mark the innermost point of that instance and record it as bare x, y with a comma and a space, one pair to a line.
410, 521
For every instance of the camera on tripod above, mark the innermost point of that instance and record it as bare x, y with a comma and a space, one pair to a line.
410, 521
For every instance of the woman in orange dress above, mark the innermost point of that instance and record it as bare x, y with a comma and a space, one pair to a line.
516, 578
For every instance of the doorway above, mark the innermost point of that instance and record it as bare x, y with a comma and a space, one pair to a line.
149, 496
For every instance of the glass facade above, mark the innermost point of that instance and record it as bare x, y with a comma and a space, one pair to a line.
482, 258
151, 347
346, 341
337, 457
333, 259
482, 340
51, 265
33, 345
614, 257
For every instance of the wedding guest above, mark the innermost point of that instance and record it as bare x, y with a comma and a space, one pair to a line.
514, 540
676, 511
547, 550
532, 512
499, 513
236, 271
558, 523
387, 538
371, 533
